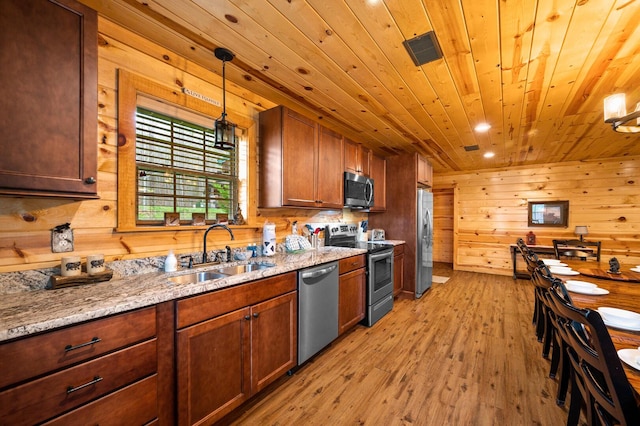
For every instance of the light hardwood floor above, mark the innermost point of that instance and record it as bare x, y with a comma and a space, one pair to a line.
464, 354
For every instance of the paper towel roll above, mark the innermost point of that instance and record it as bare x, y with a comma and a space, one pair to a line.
269, 239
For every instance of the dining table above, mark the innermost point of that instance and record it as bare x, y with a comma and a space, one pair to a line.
624, 293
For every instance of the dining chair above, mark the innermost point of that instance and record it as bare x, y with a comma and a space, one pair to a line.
522, 246
597, 375
576, 249
531, 259
560, 364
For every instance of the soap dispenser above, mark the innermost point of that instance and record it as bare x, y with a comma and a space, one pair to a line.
171, 263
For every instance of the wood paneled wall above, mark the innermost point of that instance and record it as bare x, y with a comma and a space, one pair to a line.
443, 225
490, 209
26, 223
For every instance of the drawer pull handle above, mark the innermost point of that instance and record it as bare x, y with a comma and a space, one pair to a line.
70, 348
72, 389
354, 264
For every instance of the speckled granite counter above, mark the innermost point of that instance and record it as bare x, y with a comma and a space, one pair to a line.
27, 312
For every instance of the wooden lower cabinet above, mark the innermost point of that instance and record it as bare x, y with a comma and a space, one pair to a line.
352, 292
398, 269
224, 360
95, 370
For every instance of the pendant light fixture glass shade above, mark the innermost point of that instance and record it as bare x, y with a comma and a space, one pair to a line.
225, 136
615, 112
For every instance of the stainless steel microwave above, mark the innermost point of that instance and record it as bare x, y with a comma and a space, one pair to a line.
358, 191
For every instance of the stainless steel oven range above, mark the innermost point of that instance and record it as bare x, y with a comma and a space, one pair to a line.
379, 268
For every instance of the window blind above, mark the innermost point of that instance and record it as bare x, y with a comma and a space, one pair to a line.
179, 170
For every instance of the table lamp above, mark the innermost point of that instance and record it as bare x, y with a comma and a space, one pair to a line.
581, 230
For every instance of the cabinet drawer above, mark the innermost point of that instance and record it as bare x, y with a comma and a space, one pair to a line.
56, 393
200, 308
399, 249
32, 356
136, 403
351, 263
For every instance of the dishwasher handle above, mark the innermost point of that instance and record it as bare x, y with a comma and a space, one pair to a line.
319, 272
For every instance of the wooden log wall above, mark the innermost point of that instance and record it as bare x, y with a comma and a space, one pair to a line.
26, 223
490, 209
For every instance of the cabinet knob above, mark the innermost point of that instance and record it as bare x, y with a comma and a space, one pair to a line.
247, 317
90, 179
256, 315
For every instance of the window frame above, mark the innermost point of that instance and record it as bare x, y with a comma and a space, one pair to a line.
130, 86
176, 145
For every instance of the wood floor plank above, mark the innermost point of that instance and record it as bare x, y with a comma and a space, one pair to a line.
463, 354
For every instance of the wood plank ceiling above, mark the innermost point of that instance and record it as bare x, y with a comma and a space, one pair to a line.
535, 70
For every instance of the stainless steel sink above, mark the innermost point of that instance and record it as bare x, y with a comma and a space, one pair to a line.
215, 274
241, 269
198, 277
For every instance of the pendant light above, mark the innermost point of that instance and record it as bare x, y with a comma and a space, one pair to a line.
225, 131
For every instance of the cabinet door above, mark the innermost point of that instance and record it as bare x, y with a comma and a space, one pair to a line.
351, 163
213, 367
299, 160
351, 299
49, 108
379, 176
274, 334
330, 168
365, 161
424, 171
398, 273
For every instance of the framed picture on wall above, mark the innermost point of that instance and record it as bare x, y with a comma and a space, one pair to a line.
549, 213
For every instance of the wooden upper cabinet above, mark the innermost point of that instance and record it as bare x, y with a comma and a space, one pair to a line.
357, 158
49, 106
301, 162
425, 172
330, 184
379, 176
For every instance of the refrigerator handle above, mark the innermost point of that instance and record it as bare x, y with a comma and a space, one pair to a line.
428, 225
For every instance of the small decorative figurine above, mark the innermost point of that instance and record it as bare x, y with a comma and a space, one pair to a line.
614, 266
531, 238
239, 219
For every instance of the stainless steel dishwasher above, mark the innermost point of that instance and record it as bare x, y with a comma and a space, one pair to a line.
317, 309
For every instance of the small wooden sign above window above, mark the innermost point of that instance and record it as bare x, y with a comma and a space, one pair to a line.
549, 213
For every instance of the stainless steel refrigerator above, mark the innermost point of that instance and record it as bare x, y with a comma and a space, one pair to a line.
424, 249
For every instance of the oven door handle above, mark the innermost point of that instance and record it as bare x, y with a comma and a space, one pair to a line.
377, 256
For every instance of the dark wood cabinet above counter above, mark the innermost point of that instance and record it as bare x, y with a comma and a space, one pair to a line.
301, 162
49, 83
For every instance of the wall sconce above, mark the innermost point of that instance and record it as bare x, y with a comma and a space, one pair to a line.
582, 231
615, 112
225, 136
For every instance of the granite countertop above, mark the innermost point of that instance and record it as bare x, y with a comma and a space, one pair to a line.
29, 312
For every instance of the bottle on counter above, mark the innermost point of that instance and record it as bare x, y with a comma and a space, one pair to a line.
171, 262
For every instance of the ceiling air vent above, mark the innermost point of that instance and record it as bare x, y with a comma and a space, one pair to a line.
423, 48
471, 148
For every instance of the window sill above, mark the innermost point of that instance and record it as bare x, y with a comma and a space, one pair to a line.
162, 228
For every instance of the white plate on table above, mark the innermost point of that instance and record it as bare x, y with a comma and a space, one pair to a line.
636, 269
620, 318
583, 290
563, 271
553, 262
620, 326
630, 357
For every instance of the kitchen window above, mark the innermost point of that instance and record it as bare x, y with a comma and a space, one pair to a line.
164, 136
178, 170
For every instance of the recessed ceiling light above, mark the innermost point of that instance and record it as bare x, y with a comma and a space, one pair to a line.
489, 154
482, 127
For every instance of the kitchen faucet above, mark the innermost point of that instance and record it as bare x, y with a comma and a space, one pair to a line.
204, 239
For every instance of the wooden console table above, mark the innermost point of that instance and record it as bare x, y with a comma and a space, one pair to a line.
546, 251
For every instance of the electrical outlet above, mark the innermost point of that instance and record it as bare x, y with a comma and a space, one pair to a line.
61, 240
